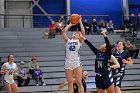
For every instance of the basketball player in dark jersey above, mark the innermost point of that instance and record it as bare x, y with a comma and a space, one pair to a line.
104, 78
123, 58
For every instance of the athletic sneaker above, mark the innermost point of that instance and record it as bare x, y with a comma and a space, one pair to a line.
43, 84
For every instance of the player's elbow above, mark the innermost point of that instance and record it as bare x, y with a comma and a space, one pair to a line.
118, 65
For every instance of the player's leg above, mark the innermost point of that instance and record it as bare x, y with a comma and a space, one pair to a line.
100, 90
100, 86
118, 83
118, 90
109, 83
78, 76
69, 77
7, 87
111, 89
14, 88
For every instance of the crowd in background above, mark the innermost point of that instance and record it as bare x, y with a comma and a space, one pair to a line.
94, 26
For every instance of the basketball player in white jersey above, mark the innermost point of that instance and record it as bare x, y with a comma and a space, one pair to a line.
72, 60
9, 70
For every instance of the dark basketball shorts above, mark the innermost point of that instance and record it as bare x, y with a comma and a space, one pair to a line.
104, 81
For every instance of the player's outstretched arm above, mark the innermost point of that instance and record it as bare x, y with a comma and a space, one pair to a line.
64, 31
115, 62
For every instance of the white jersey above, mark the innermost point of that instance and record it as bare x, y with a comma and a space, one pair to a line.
72, 50
8, 77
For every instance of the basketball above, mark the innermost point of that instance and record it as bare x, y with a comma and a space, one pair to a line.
74, 18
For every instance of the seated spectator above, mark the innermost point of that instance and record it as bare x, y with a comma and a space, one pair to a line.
59, 26
63, 20
101, 26
22, 75
93, 26
52, 30
32, 65
138, 22
133, 19
110, 27
127, 24
86, 26
38, 76
131, 49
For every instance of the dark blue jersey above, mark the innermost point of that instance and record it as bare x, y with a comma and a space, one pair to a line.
119, 73
102, 63
120, 56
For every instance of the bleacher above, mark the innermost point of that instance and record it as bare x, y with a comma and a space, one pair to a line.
24, 43
137, 41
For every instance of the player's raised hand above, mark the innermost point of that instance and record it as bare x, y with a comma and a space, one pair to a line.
124, 61
81, 36
104, 32
61, 86
80, 20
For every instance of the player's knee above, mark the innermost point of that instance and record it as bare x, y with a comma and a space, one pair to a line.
79, 83
8, 90
70, 84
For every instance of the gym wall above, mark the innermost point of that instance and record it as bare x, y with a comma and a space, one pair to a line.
134, 7
113, 8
